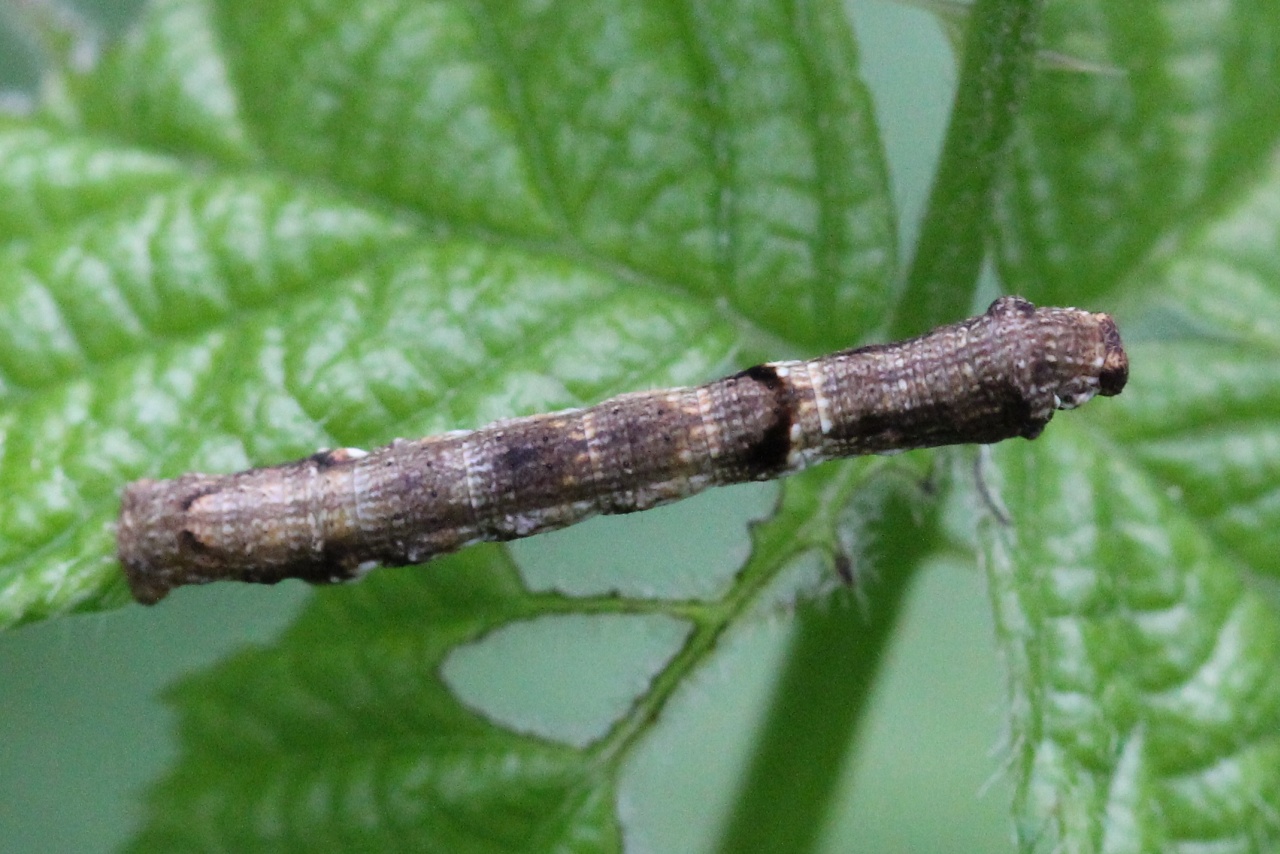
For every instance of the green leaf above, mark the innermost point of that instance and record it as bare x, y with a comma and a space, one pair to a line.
51, 179
408, 258
705, 161
1146, 713
1143, 651
167, 86
343, 736
1142, 645
1108, 166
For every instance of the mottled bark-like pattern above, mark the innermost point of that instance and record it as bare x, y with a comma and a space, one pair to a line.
338, 513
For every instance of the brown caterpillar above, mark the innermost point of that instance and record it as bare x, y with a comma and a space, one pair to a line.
338, 513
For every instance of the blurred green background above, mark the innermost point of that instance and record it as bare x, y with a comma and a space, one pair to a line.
83, 731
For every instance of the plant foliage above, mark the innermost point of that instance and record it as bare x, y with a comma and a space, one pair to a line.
250, 230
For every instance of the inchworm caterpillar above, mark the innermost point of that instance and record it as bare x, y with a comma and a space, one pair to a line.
338, 513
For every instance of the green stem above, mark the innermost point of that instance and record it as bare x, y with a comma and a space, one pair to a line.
835, 655
999, 55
